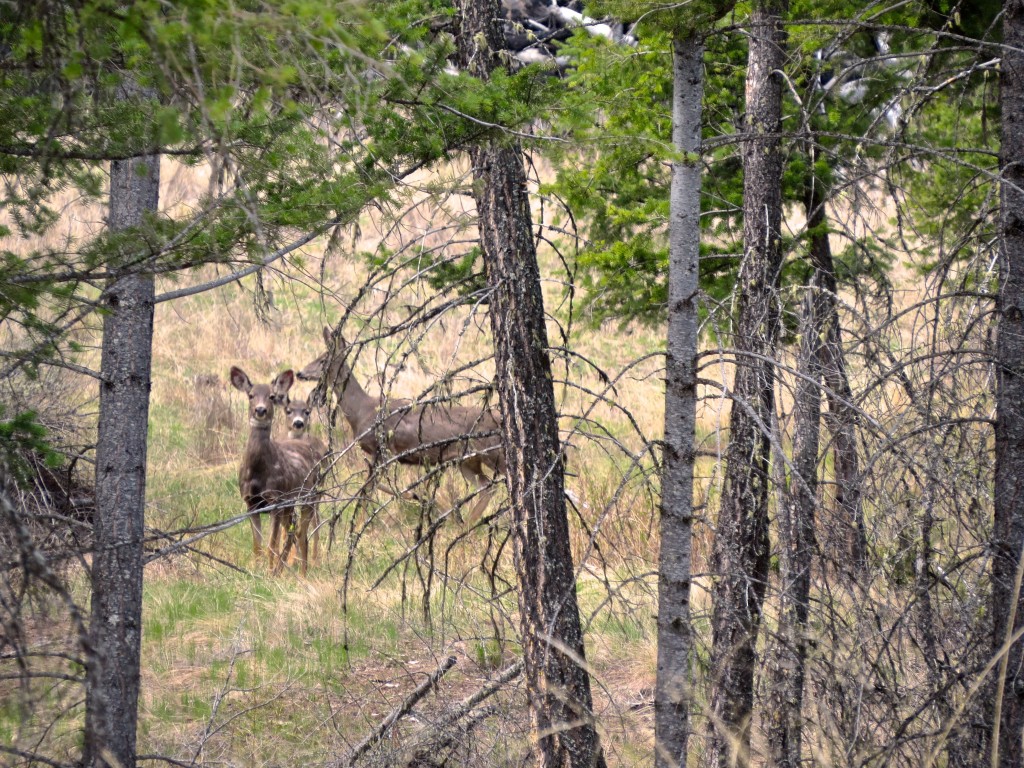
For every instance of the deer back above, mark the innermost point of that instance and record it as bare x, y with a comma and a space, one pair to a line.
415, 434
436, 433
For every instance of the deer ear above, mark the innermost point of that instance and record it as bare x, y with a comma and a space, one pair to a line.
284, 382
239, 380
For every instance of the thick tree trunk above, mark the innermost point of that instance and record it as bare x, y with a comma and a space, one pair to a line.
112, 684
557, 682
1008, 534
740, 553
783, 713
671, 696
552, 637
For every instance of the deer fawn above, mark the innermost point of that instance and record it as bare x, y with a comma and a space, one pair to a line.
427, 435
275, 475
296, 419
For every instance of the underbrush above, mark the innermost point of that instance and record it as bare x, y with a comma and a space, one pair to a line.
250, 668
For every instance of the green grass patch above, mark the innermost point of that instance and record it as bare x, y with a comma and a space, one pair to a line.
180, 604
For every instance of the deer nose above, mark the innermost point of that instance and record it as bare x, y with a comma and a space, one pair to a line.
298, 423
260, 411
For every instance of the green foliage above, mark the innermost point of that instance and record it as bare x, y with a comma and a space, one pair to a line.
952, 194
614, 173
306, 112
21, 437
456, 274
282, 100
679, 19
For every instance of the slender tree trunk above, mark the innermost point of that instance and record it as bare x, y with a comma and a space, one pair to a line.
740, 553
112, 682
557, 683
841, 418
1008, 534
784, 710
671, 697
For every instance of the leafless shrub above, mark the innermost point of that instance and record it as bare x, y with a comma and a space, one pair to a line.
54, 497
46, 515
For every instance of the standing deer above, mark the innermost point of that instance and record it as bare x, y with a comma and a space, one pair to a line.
425, 435
275, 475
296, 419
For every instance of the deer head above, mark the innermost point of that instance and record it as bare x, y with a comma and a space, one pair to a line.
296, 417
331, 360
262, 397
330, 369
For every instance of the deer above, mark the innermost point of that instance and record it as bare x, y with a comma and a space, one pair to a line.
275, 475
296, 419
417, 434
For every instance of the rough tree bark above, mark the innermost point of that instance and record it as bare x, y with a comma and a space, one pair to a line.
1008, 533
783, 713
558, 684
841, 418
671, 696
112, 677
841, 421
740, 553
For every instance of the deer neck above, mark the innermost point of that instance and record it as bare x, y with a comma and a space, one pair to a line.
354, 401
260, 446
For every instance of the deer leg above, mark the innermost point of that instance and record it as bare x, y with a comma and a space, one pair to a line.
484, 488
278, 538
306, 514
273, 540
289, 540
315, 533
257, 531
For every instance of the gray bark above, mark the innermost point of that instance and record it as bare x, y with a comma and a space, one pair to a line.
112, 685
671, 696
740, 553
558, 685
841, 419
1008, 533
783, 713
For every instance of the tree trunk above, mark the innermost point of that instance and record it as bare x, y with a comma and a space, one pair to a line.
558, 685
841, 418
1008, 533
112, 684
740, 553
671, 696
783, 713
